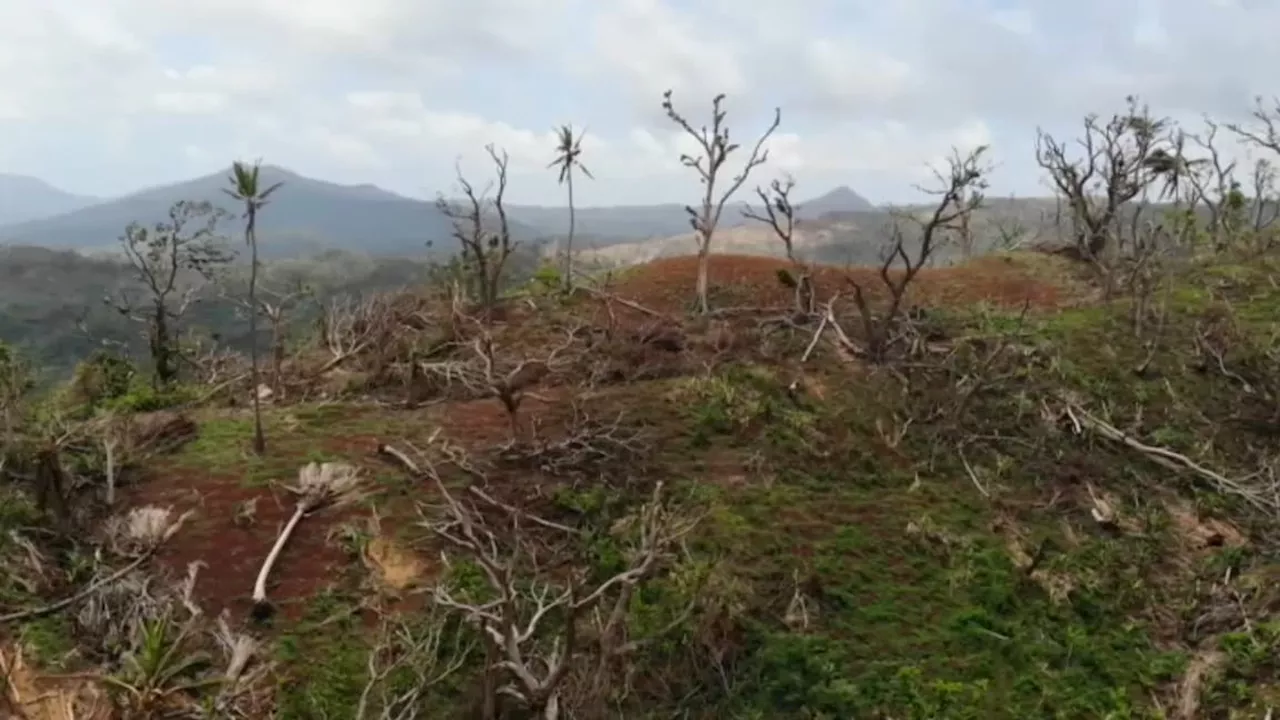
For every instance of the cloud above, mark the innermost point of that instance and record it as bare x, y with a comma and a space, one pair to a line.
102, 97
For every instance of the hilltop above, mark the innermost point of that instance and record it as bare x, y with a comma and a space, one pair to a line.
1021, 465
979, 529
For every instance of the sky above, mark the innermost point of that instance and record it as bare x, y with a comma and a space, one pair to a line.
107, 96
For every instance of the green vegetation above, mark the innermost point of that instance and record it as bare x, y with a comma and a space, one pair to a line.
1058, 503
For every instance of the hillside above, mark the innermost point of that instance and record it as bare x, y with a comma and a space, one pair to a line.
25, 198
1031, 511
305, 215
52, 301
845, 237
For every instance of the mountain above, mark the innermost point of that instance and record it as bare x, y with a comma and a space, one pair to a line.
24, 198
841, 200
304, 215
308, 215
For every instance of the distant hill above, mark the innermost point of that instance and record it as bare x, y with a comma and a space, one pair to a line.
308, 215
828, 233
24, 198
305, 215
840, 200
605, 226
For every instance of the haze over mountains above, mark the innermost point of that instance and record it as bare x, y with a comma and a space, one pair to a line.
308, 215
24, 198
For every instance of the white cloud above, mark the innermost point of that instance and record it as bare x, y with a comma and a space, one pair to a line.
394, 91
853, 74
190, 102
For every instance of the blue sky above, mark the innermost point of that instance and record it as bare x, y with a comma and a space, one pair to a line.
106, 96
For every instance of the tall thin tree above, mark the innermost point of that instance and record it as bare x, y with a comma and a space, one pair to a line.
568, 154
246, 188
714, 148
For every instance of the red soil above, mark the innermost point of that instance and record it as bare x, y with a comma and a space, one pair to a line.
310, 562
667, 285
232, 554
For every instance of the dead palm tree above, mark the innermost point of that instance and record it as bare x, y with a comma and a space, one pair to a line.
568, 152
246, 189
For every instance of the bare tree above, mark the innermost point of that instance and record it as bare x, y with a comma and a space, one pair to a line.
780, 215
1213, 180
245, 187
485, 251
531, 625
568, 159
350, 326
714, 149
1266, 201
509, 381
163, 258
1120, 160
1264, 135
959, 194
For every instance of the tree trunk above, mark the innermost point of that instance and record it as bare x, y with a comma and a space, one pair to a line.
161, 357
277, 353
566, 282
704, 252
259, 439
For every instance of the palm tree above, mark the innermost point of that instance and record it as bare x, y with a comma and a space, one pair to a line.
245, 189
568, 152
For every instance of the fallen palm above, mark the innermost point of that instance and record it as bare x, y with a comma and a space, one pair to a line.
319, 485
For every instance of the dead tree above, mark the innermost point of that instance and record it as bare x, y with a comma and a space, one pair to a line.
1120, 160
485, 249
780, 215
532, 624
959, 194
1265, 135
510, 381
1266, 201
714, 148
165, 258
1215, 187
349, 326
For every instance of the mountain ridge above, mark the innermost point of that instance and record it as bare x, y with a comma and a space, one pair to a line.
24, 198
309, 214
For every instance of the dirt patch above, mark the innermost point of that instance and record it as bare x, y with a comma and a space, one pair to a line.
395, 568
666, 285
1202, 533
1201, 666
32, 696
729, 469
231, 533
481, 424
